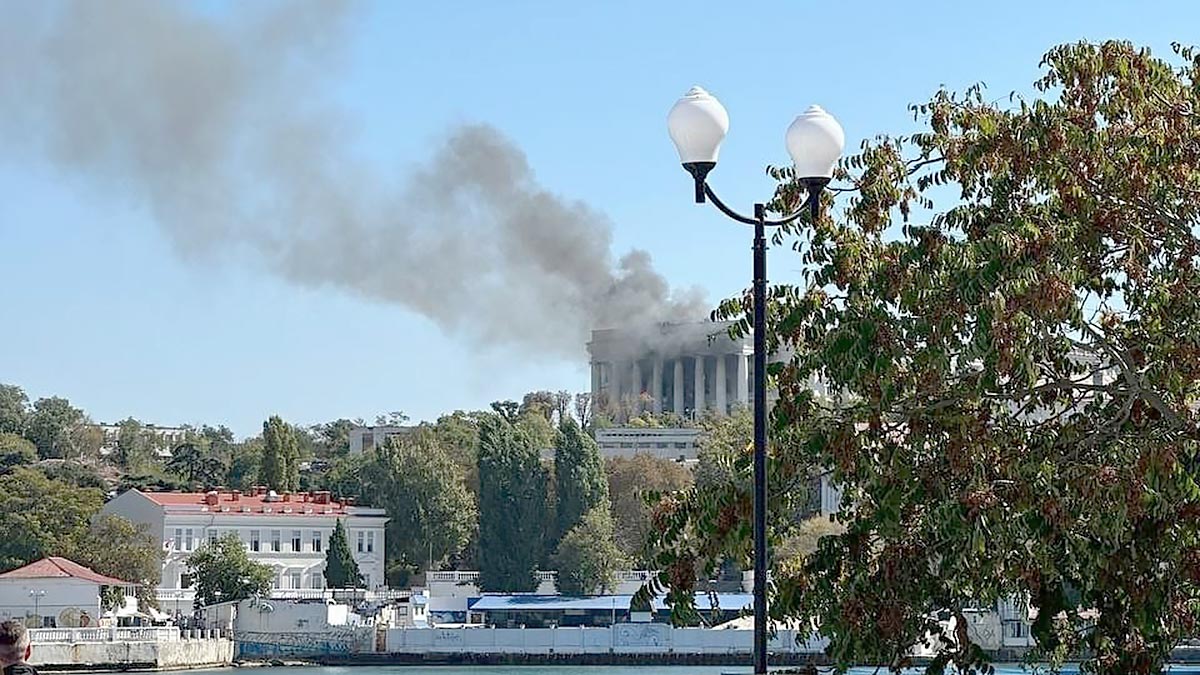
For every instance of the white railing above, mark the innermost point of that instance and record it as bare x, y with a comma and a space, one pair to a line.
453, 577
472, 576
78, 635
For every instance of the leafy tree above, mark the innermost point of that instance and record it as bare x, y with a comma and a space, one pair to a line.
580, 483
50, 425
194, 463
223, 571
341, 571
41, 517
135, 449
1015, 382
394, 418
509, 411
538, 403
458, 432
74, 473
587, 557
15, 451
119, 548
631, 481
431, 514
583, 410
152, 478
245, 464
14, 409
281, 456
512, 508
333, 438
725, 438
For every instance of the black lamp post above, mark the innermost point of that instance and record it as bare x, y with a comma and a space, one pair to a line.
697, 124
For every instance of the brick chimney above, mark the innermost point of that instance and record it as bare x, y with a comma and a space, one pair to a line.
348, 501
237, 495
287, 496
322, 497
211, 498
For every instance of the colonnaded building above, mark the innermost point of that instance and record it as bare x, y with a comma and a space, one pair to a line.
686, 369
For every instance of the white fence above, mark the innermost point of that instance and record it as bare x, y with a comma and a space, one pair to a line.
629, 638
79, 635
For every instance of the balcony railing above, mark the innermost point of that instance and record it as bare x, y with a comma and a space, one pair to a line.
77, 635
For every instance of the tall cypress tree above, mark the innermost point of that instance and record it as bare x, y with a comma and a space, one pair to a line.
340, 569
579, 478
512, 508
281, 456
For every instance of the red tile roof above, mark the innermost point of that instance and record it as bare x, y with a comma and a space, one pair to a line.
61, 568
299, 504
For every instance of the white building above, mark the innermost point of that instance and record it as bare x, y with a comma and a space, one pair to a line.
54, 593
681, 368
289, 532
365, 439
674, 443
165, 438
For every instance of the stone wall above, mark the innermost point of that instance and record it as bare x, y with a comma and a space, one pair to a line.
166, 655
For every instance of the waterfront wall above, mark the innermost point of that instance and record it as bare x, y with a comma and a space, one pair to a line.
122, 648
629, 638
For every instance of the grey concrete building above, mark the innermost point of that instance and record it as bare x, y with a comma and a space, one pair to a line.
686, 369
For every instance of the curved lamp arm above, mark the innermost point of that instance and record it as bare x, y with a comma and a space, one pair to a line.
812, 202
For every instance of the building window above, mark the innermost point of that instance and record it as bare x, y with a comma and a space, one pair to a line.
185, 581
315, 579
296, 579
178, 539
276, 540
255, 542
212, 536
370, 542
368, 442
360, 542
189, 540
316, 541
296, 542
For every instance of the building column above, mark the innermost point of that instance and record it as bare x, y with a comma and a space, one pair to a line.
698, 396
656, 388
595, 380
743, 380
635, 376
678, 388
720, 384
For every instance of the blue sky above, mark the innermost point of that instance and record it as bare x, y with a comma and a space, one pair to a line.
98, 307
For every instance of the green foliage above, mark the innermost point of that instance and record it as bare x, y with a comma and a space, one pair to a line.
197, 464
41, 517
222, 571
431, 514
512, 507
587, 557
14, 409
281, 456
341, 571
630, 481
1015, 381
50, 426
116, 547
333, 438
153, 479
724, 439
75, 473
245, 464
135, 446
580, 483
15, 451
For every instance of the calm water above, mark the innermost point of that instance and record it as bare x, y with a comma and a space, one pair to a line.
1001, 669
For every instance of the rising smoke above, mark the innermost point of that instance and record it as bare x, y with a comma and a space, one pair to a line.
218, 126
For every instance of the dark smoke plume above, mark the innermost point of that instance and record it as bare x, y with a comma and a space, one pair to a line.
216, 124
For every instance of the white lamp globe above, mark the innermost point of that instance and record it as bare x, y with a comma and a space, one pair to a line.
697, 124
815, 141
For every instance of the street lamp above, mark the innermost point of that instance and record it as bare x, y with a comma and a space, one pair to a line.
697, 124
37, 594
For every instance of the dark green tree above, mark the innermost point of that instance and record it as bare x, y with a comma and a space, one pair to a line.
40, 516
50, 426
71, 472
1016, 380
245, 463
222, 571
14, 409
195, 463
135, 449
341, 571
431, 514
116, 547
512, 508
15, 451
587, 558
333, 438
630, 481
281, 456
579, 479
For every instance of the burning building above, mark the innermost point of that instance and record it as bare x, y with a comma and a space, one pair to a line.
681, 368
